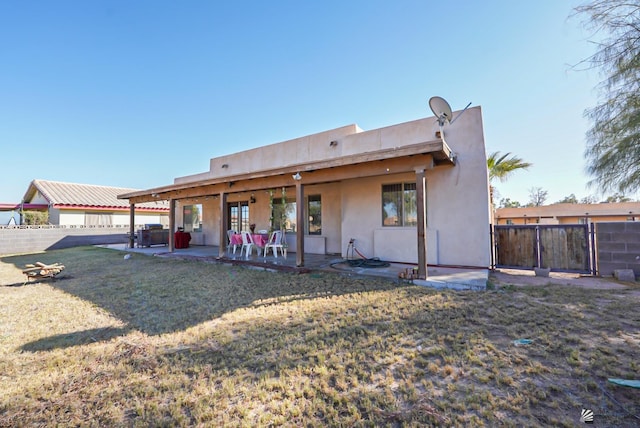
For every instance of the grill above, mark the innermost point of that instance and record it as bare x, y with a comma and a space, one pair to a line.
153, 234
152, 226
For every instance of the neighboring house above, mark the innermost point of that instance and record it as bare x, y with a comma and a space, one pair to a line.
400, 192
74, 204
570, 213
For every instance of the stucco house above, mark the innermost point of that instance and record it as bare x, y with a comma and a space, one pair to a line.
402, 193
73, 204
569, 213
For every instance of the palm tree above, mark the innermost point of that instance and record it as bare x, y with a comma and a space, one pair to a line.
502, 166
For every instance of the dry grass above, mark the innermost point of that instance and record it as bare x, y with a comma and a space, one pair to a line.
159, 342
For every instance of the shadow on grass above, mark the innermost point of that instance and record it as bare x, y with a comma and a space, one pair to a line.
77, 338
363, 342
38, 280
157, 295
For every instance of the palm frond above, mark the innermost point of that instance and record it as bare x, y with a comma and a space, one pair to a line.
502, 166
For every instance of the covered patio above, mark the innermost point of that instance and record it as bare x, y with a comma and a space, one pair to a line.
414, 160
438, 276
398, 191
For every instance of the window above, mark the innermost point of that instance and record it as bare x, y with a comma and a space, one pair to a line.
509, 221
238, 215
399, 204
314, 210
284, 216
192, 218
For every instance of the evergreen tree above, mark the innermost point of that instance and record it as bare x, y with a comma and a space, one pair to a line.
613, 141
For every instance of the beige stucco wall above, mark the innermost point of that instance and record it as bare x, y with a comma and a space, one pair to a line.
259, 213
210, 220
331, 199
459, 197
362, 220
458, 209
279, 155
457, 200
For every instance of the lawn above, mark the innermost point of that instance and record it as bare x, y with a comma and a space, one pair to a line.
151, 341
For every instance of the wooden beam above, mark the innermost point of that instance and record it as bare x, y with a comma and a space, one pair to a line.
223, 225
339, 173
132, 221
172, 224
300, 213
421, 199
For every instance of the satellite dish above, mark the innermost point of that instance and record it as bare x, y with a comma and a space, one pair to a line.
441, 108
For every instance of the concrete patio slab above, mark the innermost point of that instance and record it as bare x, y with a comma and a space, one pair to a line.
438, 277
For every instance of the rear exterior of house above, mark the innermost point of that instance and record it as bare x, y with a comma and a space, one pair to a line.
400, 193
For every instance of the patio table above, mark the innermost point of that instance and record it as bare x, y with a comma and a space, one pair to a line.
260, 239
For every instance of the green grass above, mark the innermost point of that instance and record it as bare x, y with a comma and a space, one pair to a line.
151, 341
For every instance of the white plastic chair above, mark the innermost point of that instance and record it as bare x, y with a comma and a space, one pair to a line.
230, 233
275, 242
247, 243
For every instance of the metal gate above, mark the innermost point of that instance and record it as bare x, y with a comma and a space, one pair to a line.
561, 247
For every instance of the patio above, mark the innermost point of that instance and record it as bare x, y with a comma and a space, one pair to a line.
438, 276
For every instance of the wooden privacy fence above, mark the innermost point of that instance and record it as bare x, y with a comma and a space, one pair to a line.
560, 247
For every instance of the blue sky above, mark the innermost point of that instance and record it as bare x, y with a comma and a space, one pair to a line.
136, 93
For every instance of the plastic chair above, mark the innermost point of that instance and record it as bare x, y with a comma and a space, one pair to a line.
230, 233
247, 243
275, 242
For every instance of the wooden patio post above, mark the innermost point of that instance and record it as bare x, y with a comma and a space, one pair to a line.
300, 215
223, 225
132, 220
421, 188
172, 224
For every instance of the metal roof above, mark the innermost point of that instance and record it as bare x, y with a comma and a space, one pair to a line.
76, 195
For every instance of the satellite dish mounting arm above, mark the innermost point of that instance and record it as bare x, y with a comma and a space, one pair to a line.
442, 110
463, 110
